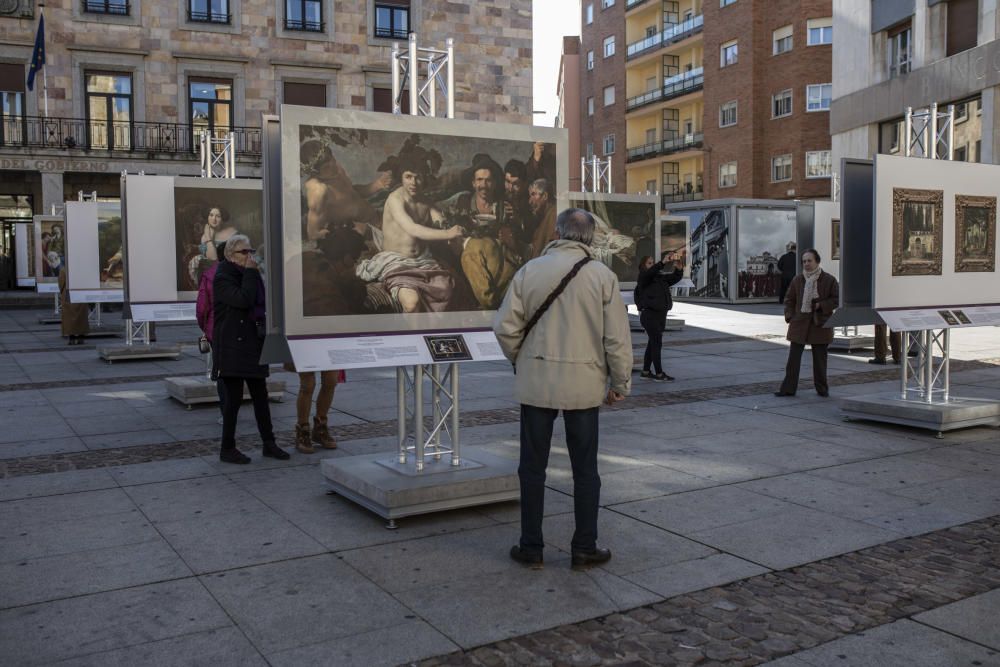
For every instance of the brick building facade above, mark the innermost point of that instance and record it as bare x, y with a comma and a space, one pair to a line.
603, 20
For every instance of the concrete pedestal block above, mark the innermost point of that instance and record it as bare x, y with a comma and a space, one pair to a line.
49, 319
673, 324
197, 389
104, 332
955, 414
852, 343
113, 353
393, 490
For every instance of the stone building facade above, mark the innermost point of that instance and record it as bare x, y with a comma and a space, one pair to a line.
131, 82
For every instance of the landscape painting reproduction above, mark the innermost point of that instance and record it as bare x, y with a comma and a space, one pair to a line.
403, 222
917, 232
625, 233
206, 216
109, 245
975, 234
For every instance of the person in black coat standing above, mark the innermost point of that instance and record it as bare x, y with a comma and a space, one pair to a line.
237, 341
654, 302
788, 264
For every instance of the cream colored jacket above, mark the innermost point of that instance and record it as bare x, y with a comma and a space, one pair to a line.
579, 344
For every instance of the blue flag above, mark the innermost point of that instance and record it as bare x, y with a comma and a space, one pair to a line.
38, 55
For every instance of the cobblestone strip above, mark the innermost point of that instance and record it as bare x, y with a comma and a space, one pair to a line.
33, 465
771, 615
59, 384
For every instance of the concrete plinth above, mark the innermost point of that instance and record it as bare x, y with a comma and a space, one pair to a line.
113, 353
197, 389
955, 414
852, 343
104, 332
49, 319
673, 324
393, 490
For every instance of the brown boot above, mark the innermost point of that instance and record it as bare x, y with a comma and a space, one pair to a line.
321, 434
302, 442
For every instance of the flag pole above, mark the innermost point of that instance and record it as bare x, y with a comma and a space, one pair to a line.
45, 74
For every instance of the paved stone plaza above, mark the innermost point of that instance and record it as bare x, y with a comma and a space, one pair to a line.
745, 528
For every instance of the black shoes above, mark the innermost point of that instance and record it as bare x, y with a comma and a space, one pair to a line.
532, 560
233, 456
646, 375
824, 394
876, 360
272, 450
584, 559
661, 376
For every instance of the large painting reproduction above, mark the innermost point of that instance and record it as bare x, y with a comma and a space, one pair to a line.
710, 253
204, 217
764, 236
917, 232
109, 245
53, 248
975, 234
399, 223
674, 240
626, 229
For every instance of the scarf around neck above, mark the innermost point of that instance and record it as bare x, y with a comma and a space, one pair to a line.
810, 292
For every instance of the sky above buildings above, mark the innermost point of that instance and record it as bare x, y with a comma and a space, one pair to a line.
551, 20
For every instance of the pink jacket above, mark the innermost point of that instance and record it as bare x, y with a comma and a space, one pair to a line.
206, 297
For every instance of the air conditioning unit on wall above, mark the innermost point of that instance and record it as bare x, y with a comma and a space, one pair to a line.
18, 9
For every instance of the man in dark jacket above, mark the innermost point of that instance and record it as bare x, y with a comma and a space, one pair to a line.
237, 341
654, 302
788, 264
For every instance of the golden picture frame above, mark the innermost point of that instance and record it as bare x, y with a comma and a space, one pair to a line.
835, 239
917, 232
975, 234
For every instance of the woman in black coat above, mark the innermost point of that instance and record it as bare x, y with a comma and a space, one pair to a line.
237, 341
654, 302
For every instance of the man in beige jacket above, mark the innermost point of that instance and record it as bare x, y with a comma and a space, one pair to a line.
578, 355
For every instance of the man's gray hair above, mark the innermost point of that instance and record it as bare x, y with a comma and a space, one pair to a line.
234, 241
575, 224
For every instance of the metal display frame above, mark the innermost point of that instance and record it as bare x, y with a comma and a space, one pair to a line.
597, 173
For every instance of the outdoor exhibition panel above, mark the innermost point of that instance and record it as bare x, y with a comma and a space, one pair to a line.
397, 245
826, 235
935, 234
94, 251
24, 253
625, 231
50, 252
735, 246
674, 236
172, 224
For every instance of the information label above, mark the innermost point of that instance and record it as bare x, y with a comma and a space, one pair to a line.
95, 296
163, 312
953, 317
320, 354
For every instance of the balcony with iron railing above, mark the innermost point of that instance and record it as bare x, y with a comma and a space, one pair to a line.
671, 34
695, 194
673, 86
119, 139
209, 16
667, 146
629, 4
111, 7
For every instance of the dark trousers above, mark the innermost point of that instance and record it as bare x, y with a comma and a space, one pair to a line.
785, 284
654, 322
791, 382
894, 341
232, 397
581, 440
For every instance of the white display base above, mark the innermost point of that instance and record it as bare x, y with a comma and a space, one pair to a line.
198, 389
49, 319
320, 354
954, 414
113, 353
25, 282
393, 490
95, 296
163, 312
47, 288
852, 343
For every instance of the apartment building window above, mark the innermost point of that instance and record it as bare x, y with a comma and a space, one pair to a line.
305, 94
727, 114
589, 13
781, 104
728, 54
819, 31
305, 15
382, 101
781, 168
961, 154
211, 106
609, 46
651, 186
590, 150
392, 20
651, 135
727, 175
609, 95
114, 7
208, 11
607, 3
819, 164
590, 106
963, 26
609, 144
726, 3
818, 96
109, 110
12, 103
782, 39
590, 60
900, 50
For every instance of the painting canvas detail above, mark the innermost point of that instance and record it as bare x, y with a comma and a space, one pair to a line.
109, 245
835, 239
975, 234
917, 232
625, 232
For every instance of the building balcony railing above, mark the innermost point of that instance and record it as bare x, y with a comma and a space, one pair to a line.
304, 26
665, 147
674, 86
137, 139
680, 197
112, 7
670, 34
209, 17
629, 4
391, 33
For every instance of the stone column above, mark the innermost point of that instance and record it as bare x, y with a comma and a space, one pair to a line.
991, 116
52, 190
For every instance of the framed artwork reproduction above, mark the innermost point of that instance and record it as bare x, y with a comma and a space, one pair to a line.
917, 231
975, 234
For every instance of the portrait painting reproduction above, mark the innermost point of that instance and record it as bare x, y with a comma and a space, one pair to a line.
835, 239
53, 248
416, 223
109, 245
625, 231
204, 217
975, 234
917, 232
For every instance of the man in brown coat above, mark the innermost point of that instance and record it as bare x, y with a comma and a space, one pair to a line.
810, 301
74, 317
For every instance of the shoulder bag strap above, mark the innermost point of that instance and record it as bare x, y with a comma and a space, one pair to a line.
550, 299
